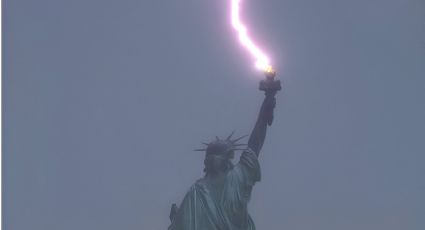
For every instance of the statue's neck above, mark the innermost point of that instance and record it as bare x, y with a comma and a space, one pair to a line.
215, 175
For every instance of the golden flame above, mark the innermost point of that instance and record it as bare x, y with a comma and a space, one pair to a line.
269, 69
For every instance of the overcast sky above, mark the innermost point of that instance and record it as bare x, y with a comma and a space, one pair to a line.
103, 102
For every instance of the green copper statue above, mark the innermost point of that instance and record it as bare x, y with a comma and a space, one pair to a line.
219, 200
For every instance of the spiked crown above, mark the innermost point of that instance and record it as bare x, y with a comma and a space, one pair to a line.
222, 146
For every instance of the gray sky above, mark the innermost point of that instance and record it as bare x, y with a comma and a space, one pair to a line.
103, 102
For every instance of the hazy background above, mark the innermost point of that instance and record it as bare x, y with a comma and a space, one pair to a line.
104, 100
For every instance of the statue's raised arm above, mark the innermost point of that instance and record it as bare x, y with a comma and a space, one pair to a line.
270, 86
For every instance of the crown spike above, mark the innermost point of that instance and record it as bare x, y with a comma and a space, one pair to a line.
198, 150
230, 136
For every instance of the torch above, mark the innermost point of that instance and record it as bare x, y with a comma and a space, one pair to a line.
270, 86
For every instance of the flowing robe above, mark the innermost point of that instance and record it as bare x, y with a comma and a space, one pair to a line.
203, 209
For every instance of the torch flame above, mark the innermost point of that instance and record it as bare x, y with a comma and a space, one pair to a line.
262, 62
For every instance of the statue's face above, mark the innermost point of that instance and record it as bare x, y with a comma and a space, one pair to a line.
231, 155
219, 162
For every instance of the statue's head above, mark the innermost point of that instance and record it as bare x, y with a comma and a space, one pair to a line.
219, 154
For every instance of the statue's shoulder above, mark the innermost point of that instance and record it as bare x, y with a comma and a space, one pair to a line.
199, 185
196, 191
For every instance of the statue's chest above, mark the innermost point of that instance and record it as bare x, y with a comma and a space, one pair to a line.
216, 191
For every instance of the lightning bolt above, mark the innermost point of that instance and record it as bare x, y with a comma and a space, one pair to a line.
262, 62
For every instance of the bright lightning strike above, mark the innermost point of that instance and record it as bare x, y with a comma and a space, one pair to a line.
262, 62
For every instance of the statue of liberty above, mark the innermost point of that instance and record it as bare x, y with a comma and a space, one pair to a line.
219, 200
